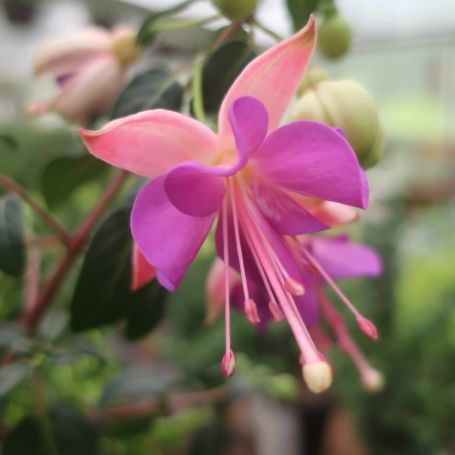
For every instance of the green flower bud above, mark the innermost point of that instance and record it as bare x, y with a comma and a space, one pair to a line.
236, 10
312, 78
347, 105
334, 36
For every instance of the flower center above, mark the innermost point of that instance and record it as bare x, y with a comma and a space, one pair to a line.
277, 282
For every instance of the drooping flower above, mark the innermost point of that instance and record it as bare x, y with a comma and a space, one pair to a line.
254, 176
89, 67
323, 261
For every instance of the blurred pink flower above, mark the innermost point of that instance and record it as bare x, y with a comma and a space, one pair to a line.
254, 176
89, 67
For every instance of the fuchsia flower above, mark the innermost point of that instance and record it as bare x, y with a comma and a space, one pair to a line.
322, 260
89, 67
254, 176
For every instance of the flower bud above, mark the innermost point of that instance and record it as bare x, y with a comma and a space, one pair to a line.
334, 36
348, 105
236, 10
124, 45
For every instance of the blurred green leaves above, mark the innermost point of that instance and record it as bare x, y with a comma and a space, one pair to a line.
65, 174
12, 247
152, 89
63, 430
220, 69
300, 11
103, 292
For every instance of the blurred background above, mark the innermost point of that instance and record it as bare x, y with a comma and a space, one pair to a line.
404, 53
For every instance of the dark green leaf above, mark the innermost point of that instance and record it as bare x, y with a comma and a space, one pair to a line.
150, 90
300, 11
10, 141
220, 70
11, 376
12, 249
64, 175
65, 431
97, 299
136, 384
147, 309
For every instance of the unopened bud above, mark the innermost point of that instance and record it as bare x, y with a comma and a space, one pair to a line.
372, 380
317, 376
367, 327
334, 36
236, 10
347, 105
124, 45
228, 363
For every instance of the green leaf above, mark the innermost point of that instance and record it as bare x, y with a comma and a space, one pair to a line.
63, 431
300, 11
12, 248
11, 376
98, 298
64, 175
220, 70
150, 90
147, 310
12, 145
136, 385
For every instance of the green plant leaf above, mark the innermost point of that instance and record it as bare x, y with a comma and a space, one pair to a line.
11, 376
64, 175
150, 90
12, 247
64, 431
147, 310
98, 298
220, 70
11, 143
300, 11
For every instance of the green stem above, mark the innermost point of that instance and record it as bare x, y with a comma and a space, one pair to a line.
267, 30
184, 23
198, 98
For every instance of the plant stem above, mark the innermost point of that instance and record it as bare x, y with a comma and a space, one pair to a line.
76, 244
55, 225
153, 407
198, 99
267, 30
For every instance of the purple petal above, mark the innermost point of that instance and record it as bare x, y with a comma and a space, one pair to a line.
197, 189
283, 212
314, 160
249, 123
194, 191
342, 258
168, 239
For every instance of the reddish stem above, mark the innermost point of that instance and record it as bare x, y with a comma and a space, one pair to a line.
76, 243
55, 225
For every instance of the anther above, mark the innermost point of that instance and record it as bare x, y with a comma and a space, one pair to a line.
367, 327
293, 286
228, 363
277, 314
251, 311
